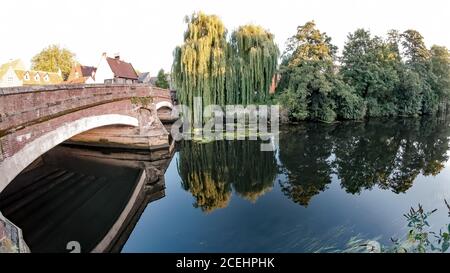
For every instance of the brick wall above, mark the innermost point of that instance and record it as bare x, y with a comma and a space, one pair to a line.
27, 113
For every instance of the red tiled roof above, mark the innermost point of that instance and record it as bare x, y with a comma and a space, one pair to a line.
86, 71
122, 69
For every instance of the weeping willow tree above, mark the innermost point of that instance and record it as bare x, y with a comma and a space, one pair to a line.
256, 58
222, 72
199, 64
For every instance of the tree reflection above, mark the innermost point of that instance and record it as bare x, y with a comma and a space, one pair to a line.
305, 152
209, 171
389, 154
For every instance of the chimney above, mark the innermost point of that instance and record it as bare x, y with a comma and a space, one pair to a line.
117, 56
104, 54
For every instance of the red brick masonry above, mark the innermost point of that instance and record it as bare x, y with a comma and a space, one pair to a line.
27, 113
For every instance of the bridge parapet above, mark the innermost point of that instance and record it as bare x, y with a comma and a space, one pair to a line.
35, 119
21, 105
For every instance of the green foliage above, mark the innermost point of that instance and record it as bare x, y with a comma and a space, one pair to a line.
161, 80
54, 58
374, 79
199, 64
420, 238
348, 104
370, 66
408, 94
440, 66
295, 103
309, 70
308, 44
256, 58
221, 72
417, 54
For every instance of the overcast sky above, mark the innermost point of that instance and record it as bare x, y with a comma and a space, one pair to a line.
146, 32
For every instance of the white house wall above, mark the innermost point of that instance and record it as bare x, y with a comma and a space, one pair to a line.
10, 74
103, 72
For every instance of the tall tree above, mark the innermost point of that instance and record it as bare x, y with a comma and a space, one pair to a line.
256, 57
161, 80
309, 83
416, 52
418, 61
200, 63
309, 44
440, 67
54, 58
370, 65
239, 71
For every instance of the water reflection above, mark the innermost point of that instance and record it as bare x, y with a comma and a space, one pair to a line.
90, 197
325, 185
305, 153
388, 154
210, 171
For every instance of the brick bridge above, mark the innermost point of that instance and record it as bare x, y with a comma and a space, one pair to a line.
35, 119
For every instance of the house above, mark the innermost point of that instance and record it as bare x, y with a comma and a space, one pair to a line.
114, 70
32, 77
14, 73
81, 74
8, 76
152, 81
144, 77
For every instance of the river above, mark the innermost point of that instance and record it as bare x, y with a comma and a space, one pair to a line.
324, 187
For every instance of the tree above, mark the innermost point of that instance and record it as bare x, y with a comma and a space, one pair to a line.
418, 60
308, 72
309, 44
54, 58
161, 80
256, 58
199, 65
221, 72
416, 52
440, 67
370, 65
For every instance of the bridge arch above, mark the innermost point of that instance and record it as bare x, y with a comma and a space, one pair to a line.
12, 166
162, 104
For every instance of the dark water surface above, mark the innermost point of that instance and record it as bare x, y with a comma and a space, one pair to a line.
323, 187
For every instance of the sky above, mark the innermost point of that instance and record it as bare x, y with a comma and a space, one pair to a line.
145, 32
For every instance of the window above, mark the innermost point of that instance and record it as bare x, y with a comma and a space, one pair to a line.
27, 76
10, 79
46, 78
37, 77
77, 75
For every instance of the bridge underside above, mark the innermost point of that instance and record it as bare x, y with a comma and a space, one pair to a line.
35, 119
95, 198
121, 136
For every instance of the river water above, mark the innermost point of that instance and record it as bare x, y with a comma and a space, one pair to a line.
324, 187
